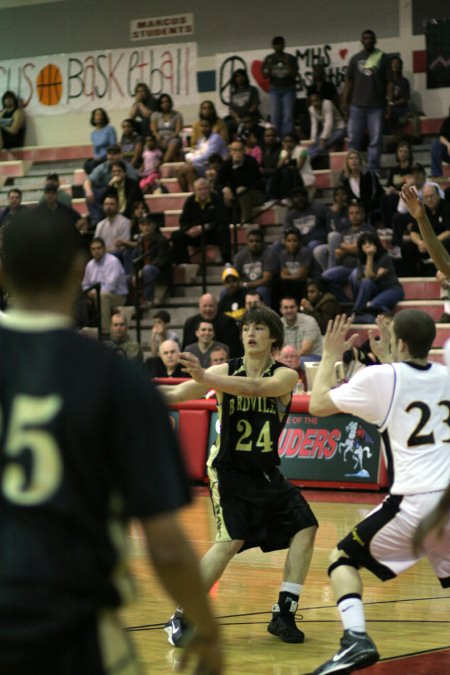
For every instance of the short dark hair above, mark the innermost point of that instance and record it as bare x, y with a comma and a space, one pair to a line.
292, 230
98, 240
52, 177
110, 192
269, 318
417, 329
163, 315
39, 249
105, 116
219, 347
120, 163
15, 189
256, 232
278, 40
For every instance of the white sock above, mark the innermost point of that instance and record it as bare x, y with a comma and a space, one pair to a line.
288, 587
352, 614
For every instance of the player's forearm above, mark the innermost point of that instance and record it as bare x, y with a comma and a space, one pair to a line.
186, 391
319, 403
436, 249
246, 386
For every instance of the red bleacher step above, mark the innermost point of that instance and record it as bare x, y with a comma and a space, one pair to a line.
14, 168
417, 288
48, 153
168, 170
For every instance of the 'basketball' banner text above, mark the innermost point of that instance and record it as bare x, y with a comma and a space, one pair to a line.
49, 85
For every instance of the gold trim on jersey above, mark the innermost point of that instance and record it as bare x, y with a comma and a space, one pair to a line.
222, 532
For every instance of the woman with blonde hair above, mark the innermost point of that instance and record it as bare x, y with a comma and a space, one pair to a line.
361, 184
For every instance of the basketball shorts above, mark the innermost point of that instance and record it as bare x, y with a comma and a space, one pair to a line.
98, 647
263, 509
382, 541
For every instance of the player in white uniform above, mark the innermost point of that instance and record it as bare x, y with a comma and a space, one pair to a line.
409, 401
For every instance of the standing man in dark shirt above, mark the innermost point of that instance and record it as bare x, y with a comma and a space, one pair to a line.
254, 505
80, 454
364, 98
204, 209
240, 180
281, 69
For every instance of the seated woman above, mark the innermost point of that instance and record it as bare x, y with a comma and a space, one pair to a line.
398, 176
166, 124
12, 122
244, 100
327, 125
131, 143
361, 185
375, 284
143, 107
102, 137
208, 112
293, 169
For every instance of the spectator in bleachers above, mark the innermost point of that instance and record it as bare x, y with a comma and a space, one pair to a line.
345, 254
397, 177
97, 182
138, 210
166, 125
204, 343
362, 184
257, 265
144, 105
375, 285
327, 126
401, 220
166, 363
152, 259
309, 217
208, 112
253, 299
271, 148
337, 213
12, 122
50, 201
244, 99
61, 195
103, 136
127, 189
300, 330
321, 86
364, 98
293, 169
225, 328
210, 143
131, 143
161, 331
295, 265
232, 299
105, 269
240, 183
14, 207
121, 341
281, 69
151, 161
252, 147
215, 161
114, 229
290, 356
320, 304
203, 209
398, 111
440, 148
415, 256
219, 354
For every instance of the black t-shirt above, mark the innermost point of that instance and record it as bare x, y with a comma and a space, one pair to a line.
250, 427
445, 129
82, 440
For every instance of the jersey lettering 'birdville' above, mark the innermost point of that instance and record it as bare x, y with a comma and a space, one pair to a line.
256, 403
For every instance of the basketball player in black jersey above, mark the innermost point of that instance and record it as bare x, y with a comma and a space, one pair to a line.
82, 433
254, 504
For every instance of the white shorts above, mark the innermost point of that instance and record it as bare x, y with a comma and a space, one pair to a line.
382, 542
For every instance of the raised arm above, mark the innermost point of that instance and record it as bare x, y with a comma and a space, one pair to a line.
435, 248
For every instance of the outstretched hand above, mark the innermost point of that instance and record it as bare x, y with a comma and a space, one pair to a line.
335, 342
191, 365
207, 653
380, 341
412, 201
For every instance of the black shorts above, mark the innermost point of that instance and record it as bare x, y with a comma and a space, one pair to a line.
97, 647
262, 509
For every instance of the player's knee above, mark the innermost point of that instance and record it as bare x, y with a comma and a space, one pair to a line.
338, 558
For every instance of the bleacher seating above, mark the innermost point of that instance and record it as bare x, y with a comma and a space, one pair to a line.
27, 167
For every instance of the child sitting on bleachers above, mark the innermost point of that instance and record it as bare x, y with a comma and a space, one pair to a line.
151, 160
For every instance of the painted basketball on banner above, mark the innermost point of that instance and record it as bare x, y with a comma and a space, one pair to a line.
49, 85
